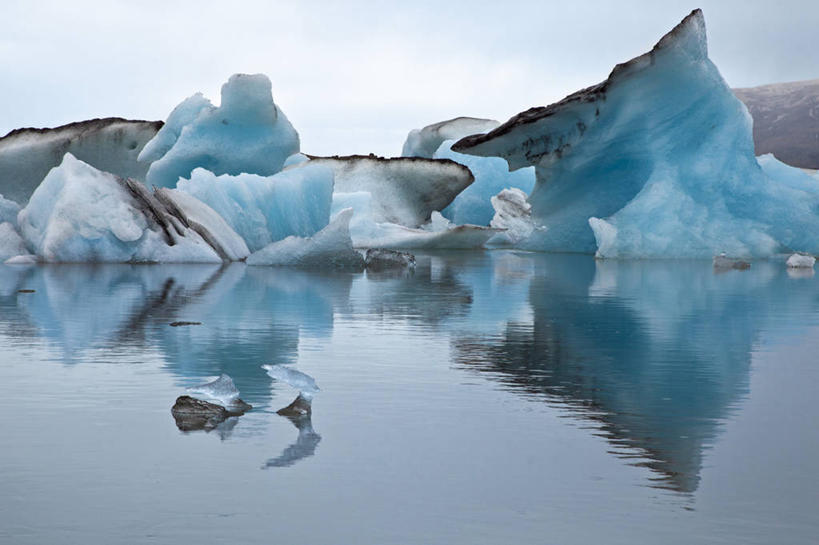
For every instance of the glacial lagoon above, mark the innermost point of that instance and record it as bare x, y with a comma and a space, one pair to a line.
486, 397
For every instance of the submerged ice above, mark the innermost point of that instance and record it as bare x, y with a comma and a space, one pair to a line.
656, 161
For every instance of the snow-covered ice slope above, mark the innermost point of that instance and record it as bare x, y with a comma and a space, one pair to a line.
247, 133
330, 248
425, 142
264, 209
111, 144
656, 161
405, 190
81, 214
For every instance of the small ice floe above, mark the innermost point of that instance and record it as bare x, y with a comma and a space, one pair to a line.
801, 261
209, 405
722, 262
304, 383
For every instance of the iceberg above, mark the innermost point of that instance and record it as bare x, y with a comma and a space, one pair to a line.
800, 261
404, 190
80, 214
304, 383
220, 390
246, 133
330, 248
264, 209
656, 161
425, 142
8, 211
111, 144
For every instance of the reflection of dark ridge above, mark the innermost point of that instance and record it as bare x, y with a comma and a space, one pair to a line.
658, 401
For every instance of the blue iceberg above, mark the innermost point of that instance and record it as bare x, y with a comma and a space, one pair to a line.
656, 161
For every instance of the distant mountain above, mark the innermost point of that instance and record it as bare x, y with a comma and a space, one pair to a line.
786, 120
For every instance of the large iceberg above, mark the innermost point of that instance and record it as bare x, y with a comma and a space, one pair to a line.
295, 202
656, 161
80, 214
111, 144
404, 190
247, 133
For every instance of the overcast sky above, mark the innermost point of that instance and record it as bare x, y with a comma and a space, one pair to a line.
355, 77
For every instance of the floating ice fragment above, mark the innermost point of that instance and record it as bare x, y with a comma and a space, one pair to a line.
513, 214
801, 261
304, 383
723, 262
222, 390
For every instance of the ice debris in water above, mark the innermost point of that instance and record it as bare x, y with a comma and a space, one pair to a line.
801, 261
304, 383
221, 390
266, 209
723, 262
330, 248
380, 259
655, 161
247, 133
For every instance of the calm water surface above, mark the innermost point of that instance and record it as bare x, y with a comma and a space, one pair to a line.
492, 397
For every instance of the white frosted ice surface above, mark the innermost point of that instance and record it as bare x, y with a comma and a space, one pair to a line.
295, 202
304, 383
656, 161
221, 390
513, 214
247, 133
330, 248
80, 214
800, 261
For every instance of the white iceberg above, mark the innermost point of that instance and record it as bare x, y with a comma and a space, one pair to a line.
111, 144
80, 214
801, 261
513, 214
404, 190
304, 383
247, 133
295, 202
329, 248
8, 211
656, 161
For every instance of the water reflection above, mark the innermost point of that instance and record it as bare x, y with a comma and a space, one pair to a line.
655, 354
303, 447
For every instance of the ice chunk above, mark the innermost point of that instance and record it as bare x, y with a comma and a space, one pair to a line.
403, 190
80, 214
424, 142
221, 390
247, 133
723, 262
513, 214
11, 244
8, 211
25, 259
330, 248
111, 145
801, 261
662, 153
473, 205
304, 383
266, 209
